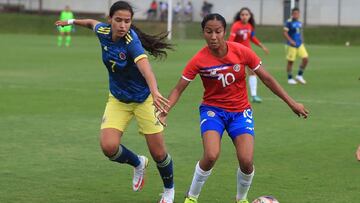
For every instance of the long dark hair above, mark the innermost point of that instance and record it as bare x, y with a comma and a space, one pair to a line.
213, 16
154, 44
251, 19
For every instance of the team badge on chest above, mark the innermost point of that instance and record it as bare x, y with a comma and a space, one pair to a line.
122, 56
236, 67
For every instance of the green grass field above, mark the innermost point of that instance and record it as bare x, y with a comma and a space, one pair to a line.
52, 100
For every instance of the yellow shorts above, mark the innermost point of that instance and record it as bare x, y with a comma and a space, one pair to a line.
118, 115
292, 52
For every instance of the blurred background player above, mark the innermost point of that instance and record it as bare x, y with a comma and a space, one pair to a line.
242, 31
65, 31
358, 153
295, 46
225, 106
133, 92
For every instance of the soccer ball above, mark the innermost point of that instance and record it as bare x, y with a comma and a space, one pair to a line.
265, 199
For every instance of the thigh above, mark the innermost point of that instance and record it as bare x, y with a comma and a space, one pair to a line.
117, 114
302, 52
211, 142
291, 53
145, 116
244, 145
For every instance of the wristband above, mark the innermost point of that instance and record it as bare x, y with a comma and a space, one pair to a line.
70, 21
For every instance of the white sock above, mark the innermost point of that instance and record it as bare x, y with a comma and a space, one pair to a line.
253, 85
243, 184
199, 178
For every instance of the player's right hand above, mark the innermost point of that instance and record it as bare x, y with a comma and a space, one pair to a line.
293, 43
300, 110
61, 23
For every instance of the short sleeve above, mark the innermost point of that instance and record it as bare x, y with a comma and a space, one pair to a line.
252, 60
287, 26
190, 71
102, 29
135, 48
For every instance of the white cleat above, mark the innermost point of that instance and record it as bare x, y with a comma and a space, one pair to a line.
292, 81
168, 196
139, 174
300, 79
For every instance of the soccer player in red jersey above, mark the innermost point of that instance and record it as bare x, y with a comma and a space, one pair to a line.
221, 66
243, 31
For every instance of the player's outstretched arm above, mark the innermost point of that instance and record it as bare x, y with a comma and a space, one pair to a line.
160, 102
88, 23
275, 87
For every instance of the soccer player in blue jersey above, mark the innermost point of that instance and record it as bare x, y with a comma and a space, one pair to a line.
295, 46
133, 92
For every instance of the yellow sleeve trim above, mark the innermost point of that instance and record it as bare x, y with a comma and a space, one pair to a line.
140, 57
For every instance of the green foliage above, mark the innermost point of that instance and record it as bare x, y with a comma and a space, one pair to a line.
52, 100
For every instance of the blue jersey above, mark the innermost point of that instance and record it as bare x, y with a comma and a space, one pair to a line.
126, 82
294, 29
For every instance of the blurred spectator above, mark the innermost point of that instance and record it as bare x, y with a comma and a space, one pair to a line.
65, 32
206, 9
188, 11
177, 11
152, 11
163, 10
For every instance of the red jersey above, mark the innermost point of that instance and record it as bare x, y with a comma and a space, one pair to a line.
243, 33
223, 78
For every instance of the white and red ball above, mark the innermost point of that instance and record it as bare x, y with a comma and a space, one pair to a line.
266, 199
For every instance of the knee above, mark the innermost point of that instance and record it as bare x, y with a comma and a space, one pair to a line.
108, 146
158, 155
246, 166
305, 60
211, 157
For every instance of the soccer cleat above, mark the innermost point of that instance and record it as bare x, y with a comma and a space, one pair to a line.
292, 81
300, 79
139, 174
256, 99
242, 201
190, 200
168, 196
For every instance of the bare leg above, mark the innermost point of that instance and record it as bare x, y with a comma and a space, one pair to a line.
244, 145
211, 144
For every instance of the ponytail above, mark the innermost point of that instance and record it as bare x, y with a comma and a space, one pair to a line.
154, 44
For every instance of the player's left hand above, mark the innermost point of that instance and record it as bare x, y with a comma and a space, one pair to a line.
161, 117
160, 102
61, 23
300, 110
358, 153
